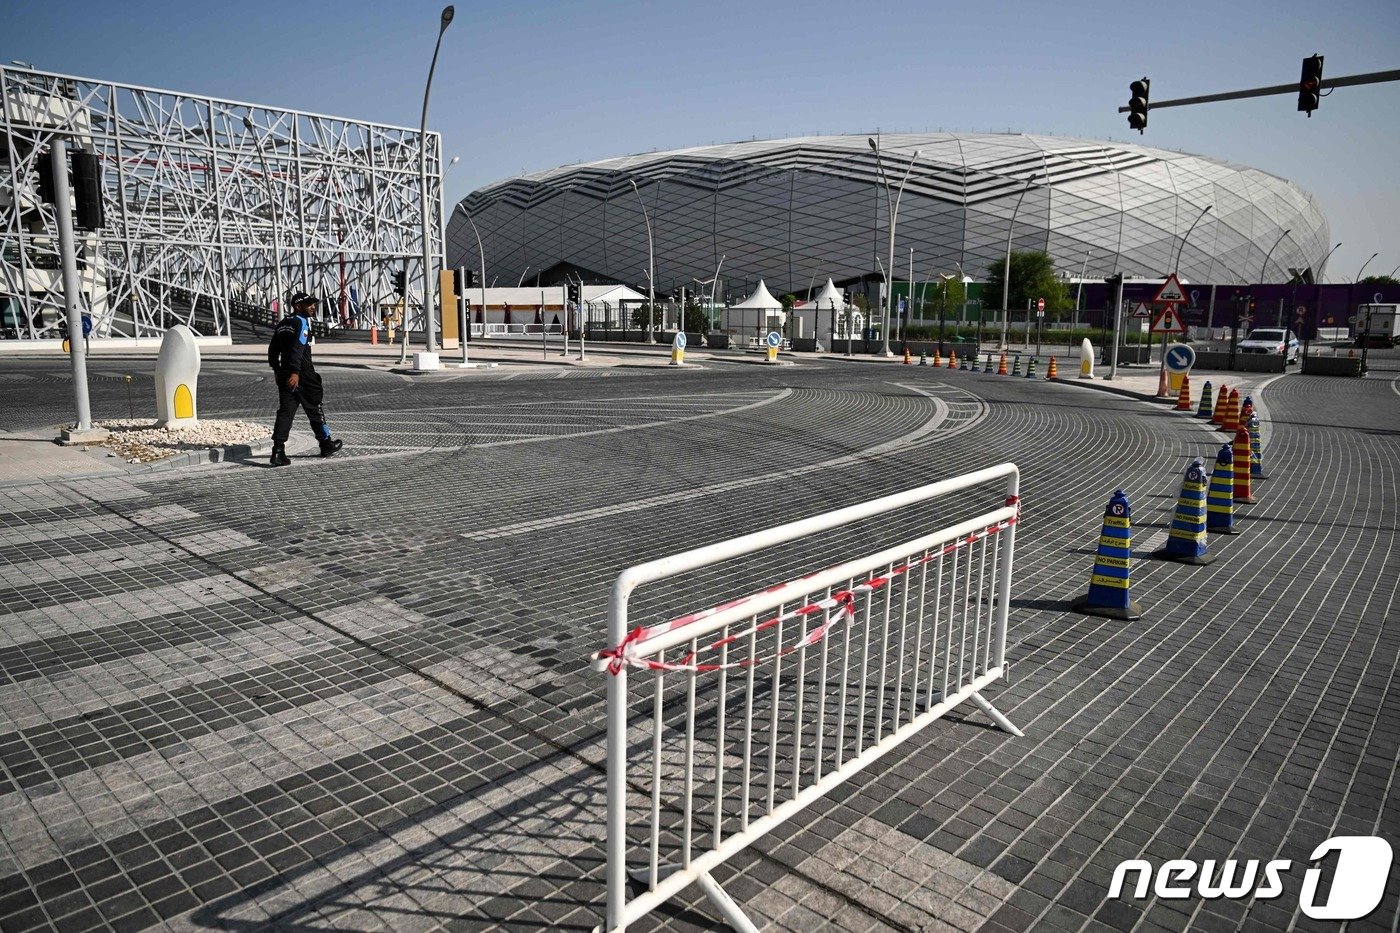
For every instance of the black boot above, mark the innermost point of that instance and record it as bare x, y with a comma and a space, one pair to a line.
329, 447
279, 455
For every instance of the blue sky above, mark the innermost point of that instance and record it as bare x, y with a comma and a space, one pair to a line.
531, 85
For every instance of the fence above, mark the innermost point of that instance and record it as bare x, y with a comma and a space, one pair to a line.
752, 709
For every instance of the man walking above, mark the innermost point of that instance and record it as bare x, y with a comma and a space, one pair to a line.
298, 383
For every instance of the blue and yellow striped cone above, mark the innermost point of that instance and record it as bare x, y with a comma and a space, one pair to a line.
1256, 459
1204, 410
1186, 542
1220, 500
1016, 369
1110, 586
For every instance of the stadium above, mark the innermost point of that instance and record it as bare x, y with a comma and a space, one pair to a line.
795, 212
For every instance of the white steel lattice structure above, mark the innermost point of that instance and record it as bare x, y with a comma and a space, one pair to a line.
188, 236
794, 212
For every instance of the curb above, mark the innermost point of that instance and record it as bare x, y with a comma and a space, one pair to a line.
120, 469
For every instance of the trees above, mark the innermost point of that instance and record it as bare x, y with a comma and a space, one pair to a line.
1032, 276
944, 299
1379, 280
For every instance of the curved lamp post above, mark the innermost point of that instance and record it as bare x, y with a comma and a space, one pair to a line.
1363, 267
651, 267
481, 253
1265, 266
429, 338
892, 207
1006, 270
1176, 264
1322, 268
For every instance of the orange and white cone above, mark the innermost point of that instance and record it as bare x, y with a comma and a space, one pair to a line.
1054, 371
1218, 416
1183, 398
1001, 367
1243, 453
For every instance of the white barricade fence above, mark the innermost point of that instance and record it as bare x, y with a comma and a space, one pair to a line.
748, 711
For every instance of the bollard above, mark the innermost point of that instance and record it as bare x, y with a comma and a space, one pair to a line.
1186, 542
1001, 367
1217, 416
1204, 410
1054, 371
1230, 423
177, 377
1183, 398
1086, 359
1256, 459
923, 357
1243, 491
1030, 369
937, 358
1220, 501
374, 335
1016, 369
1110, 585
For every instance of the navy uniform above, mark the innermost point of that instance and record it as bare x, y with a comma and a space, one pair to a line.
289, 356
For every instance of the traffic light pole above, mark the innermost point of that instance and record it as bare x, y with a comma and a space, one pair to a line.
1117, 324
67, 250
1374, 77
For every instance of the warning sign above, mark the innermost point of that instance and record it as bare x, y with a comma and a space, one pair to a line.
1142, 310
1168, 321
1170, 291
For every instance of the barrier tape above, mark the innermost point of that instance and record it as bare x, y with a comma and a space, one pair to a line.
625, 654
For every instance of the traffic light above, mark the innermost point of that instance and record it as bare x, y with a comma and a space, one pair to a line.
471, 279
48, 190
458, 286
1137, 104
1114, 282
87, 190
1310, 85
400, 283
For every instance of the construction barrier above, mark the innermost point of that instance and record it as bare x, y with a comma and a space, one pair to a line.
758, 706
1053, 372
1183, 398
1204, 410
1230, 423
1221, 399
1256, 459
1220, 500
1186, 542
1110, 585
1243, 491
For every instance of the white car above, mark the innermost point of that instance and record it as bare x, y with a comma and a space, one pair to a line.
1272, 340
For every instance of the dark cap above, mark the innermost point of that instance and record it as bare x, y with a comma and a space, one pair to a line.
302, 298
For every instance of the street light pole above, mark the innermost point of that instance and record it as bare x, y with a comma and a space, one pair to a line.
429, 339
1006, 270
1363, 267
272, 215
1265, 266
651, 268
892, 208
481, 254
1176, 264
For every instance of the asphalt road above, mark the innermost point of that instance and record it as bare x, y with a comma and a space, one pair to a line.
352, 693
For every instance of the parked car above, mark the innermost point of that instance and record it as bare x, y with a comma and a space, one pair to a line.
1272, 340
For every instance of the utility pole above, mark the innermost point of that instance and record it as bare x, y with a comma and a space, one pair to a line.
1117, 323
83, 431
429, 358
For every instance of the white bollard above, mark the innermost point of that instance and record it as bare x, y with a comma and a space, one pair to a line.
1086, 360
177, 377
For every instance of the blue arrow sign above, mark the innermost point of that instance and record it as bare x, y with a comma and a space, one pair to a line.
1180, 358
774, 338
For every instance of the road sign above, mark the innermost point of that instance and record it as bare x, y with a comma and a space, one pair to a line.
1040, 305
1180, 358
679, 342
1167, 321
1301, 312
1142, 310
774, 339
1170, 290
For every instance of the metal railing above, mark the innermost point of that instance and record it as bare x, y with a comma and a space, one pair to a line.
751, 710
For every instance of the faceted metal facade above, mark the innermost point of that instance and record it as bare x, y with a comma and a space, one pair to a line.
188, 187
792, 211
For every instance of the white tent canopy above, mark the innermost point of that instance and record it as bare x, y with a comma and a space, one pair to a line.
611, 293
760, 300
830, 297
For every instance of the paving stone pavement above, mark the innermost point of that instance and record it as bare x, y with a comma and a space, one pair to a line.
352, 694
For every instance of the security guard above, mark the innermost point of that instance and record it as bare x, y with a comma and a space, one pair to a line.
298, 383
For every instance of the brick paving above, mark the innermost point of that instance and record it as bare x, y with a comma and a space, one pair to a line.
352, 694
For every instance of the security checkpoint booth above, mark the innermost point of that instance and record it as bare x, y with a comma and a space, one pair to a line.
725, 721
747, 321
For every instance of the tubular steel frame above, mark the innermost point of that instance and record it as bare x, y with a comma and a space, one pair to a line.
189, 229
882, 667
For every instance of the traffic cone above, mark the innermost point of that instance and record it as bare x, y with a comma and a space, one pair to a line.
1217, 416
923, 357
1110, 585
1054, 371
1016, 369
1183, 398
1001, 367
1204, 410
1231, 422
953, 359
1256, 459
937, 358
1220, 500
1162, 384
908, 357
1186, 542
1243, 492
1030, 369
374, 336
1246, 409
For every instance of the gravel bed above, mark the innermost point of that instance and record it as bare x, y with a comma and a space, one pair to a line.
140, 440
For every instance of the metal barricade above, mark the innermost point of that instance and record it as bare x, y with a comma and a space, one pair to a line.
755, 708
